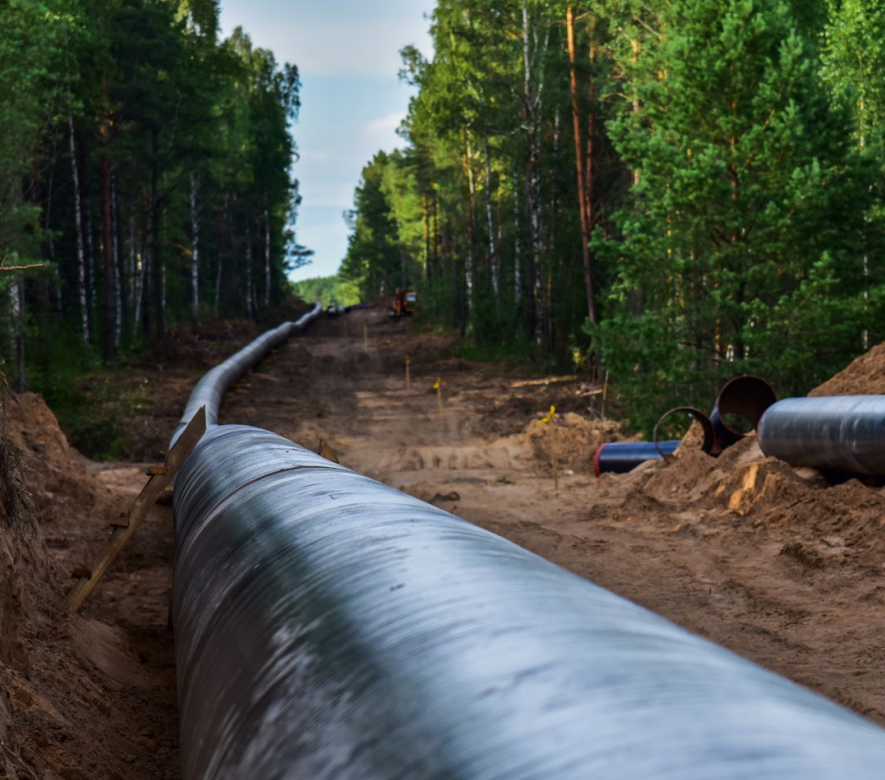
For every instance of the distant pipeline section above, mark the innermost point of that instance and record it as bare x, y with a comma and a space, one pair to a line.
333, 628
215, 383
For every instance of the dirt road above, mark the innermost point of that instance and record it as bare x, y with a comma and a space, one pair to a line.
770, 562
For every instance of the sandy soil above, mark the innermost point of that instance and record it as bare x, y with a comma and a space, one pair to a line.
771, 562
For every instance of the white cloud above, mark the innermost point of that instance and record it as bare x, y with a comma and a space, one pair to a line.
333, 44
316, 155
381, 133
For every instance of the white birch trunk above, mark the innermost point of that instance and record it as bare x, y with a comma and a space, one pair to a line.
493, 249
118, 286
130, 263
534, 89
78, 218
16, 328
471, 238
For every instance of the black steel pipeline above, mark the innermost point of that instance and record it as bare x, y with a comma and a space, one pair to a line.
708, 444
623, 456
328, 626
214, 384
745, 396
840, 433
619, 457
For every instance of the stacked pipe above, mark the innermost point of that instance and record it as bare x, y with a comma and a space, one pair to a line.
328, 626
746, 397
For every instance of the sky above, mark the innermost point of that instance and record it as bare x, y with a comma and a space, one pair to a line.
351, 98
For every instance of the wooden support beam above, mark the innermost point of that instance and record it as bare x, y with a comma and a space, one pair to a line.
159, 479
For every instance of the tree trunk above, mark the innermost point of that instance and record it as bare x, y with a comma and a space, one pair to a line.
17, 331
143, 307
50, 238
195, 254
534, 91
118, 266
157, 270
493, 248
221, 253
428, 260
584, 167
471, 231
131, 265
266, 255
78, 219
110, 309
91, 293
517, 244
248, 268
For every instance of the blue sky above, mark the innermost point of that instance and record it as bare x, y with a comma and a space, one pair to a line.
352, 100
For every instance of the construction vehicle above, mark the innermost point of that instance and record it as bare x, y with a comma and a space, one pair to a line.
404, 303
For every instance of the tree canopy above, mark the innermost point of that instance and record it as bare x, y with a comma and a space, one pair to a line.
674, 193
147, 167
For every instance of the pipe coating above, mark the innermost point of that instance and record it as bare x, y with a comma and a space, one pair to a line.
328, 626
837, 433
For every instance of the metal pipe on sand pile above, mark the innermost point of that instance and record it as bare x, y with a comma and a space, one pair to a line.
746, 397
619, 457
839, 433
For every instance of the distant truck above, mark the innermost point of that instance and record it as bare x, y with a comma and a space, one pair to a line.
404, 303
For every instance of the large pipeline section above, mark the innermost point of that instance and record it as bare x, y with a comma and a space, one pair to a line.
841, 433
328, 626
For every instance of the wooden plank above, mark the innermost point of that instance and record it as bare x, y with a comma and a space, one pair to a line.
156, 485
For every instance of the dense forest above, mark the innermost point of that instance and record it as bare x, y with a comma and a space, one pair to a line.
669, 193
145, 178
664, 193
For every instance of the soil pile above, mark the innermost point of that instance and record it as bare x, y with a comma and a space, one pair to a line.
571, 438
81, 696
864, 376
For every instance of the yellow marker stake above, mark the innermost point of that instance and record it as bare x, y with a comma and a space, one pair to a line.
438, 388
408, 378
553, 459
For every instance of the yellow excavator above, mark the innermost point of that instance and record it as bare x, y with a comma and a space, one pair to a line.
404, 303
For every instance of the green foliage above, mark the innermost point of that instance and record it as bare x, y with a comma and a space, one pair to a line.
146, 164
854, 58
328, 290
736, 252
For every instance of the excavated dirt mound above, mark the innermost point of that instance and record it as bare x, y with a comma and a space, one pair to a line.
865, 376
571, 439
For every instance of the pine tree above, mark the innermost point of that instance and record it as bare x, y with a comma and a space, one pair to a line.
738, 251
